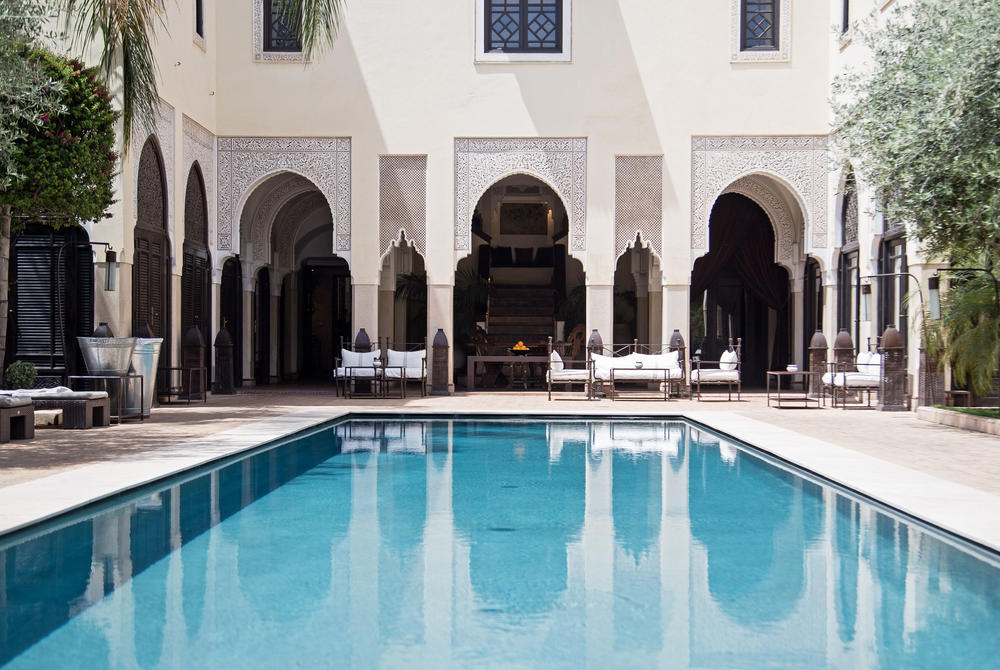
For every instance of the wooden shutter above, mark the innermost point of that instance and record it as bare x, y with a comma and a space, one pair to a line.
38, 337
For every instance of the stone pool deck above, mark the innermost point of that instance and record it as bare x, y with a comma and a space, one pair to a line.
940, 464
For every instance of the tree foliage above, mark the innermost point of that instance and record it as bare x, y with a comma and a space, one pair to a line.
966, 335
26, 93
922, 121
67, 160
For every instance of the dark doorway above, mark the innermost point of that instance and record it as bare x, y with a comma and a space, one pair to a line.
325, 315
51, 300
151, 265
231, 308
195, 275
262, 329
737, 290
812, 317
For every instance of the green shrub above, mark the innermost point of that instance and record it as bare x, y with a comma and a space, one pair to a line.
20, 375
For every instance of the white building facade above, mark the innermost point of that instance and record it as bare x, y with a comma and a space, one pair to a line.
671, 166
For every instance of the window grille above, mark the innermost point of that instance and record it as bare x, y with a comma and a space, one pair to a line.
402, 200
849, 214
281, 25
524, 26
759, 29
638, 201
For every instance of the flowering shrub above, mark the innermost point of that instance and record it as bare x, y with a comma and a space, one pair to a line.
68, 161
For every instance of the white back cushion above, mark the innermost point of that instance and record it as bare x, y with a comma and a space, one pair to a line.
727, 361
350, 358
861, 361
602, 365
396, 359
874, 365
556, 361
415, 359
670, 360
369, 358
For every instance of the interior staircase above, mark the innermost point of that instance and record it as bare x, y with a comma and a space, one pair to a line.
525, 313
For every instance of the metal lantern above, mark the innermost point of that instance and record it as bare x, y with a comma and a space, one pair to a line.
594, 343
439, 365
223, 363
193, 358
892, 388
817, 361
843, 351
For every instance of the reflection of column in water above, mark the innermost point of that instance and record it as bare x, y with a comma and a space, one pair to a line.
439, 553
363, 534
598, 544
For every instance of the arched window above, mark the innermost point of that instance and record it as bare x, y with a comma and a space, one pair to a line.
848, 272
151, 265
195, 278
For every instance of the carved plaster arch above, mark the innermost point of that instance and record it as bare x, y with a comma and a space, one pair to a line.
639, 242
400, 240
761, 192
797, 162
245, 162
559, 163
255, 226
293, 215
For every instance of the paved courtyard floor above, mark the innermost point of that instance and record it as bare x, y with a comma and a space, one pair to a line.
958, 456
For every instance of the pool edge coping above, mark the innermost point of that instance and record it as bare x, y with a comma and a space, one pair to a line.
961, 510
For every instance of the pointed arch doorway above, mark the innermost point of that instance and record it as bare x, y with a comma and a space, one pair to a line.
738, 291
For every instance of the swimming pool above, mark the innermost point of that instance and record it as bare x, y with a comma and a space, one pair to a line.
496, 543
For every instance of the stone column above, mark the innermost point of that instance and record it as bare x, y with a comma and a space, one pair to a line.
796, 314
441, 314
640, 274
364, 309
600, 310
214, 320
173, 338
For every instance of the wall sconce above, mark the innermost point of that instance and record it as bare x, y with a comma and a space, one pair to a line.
110, 269
866, 302
934, 288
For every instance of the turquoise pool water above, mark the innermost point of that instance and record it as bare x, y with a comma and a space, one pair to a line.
457, 543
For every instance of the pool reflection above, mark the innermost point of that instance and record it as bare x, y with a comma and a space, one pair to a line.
647, 543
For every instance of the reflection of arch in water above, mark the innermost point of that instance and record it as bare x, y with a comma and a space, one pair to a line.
402, 512
292, 530
195, 519
61, 560
755, 547
847, 537
517, 511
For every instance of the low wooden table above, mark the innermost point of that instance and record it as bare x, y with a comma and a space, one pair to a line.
510, 359
802, 397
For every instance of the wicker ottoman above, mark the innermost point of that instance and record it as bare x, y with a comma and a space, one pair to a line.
81, 409
17, 418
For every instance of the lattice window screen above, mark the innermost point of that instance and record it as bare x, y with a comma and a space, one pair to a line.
638, 201
402, 200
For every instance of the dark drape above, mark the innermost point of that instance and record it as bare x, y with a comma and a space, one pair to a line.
741, 238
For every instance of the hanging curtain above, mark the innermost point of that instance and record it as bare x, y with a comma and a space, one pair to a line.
744, 243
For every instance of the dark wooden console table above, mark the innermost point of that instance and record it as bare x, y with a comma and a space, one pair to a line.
510, 359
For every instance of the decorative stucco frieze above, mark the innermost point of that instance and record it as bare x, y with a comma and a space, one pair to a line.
199, 146
561, 163
163, 131
780, 55
245, 161
799, 162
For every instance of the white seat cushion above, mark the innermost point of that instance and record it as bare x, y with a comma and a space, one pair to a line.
715, 376
359, 372
646, 374
409, 373
858, 380
569, 375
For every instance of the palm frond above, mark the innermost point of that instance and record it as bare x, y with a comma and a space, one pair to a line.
127, 30
320, 24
